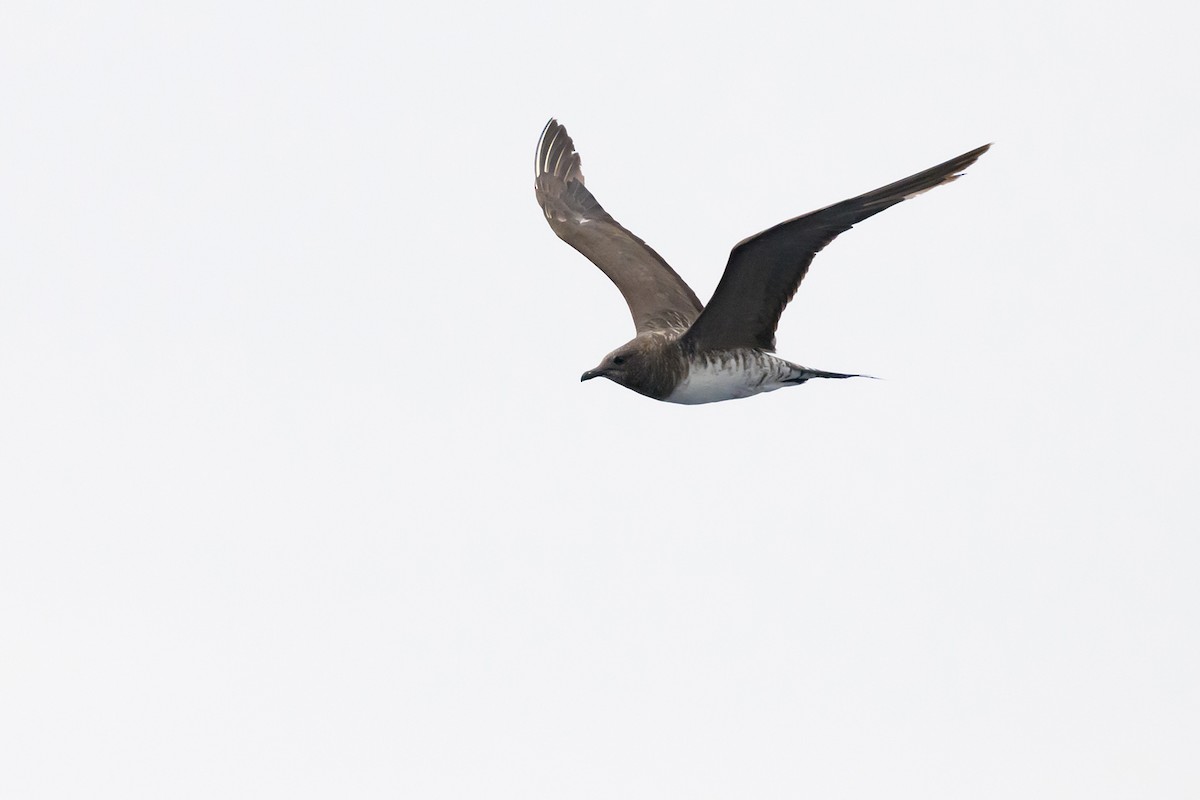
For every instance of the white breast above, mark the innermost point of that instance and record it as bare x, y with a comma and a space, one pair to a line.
730, 377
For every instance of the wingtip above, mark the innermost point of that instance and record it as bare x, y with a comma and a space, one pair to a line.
971, 156
946, 172
538, 156
556, 155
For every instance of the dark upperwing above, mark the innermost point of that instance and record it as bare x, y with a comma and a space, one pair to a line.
657, 297
764, 271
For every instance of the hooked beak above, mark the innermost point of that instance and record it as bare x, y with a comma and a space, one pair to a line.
591, 373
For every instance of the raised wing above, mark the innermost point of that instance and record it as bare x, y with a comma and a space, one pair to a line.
764, 271
657, 297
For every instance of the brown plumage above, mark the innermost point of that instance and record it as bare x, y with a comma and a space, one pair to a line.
685, 352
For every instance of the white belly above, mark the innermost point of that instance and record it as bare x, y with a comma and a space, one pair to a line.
711, 381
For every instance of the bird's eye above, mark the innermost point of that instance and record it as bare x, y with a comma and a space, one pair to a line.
618, 359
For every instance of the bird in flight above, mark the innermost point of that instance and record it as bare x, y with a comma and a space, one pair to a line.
685, 352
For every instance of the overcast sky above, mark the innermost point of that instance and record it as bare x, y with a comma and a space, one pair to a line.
302, 496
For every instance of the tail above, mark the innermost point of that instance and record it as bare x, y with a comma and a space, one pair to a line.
802, 374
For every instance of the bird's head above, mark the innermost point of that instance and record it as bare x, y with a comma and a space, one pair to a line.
617, 365
647, 364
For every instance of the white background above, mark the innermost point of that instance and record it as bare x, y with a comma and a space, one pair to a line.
302, 496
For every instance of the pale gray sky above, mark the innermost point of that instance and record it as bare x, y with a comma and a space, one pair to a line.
302, 496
